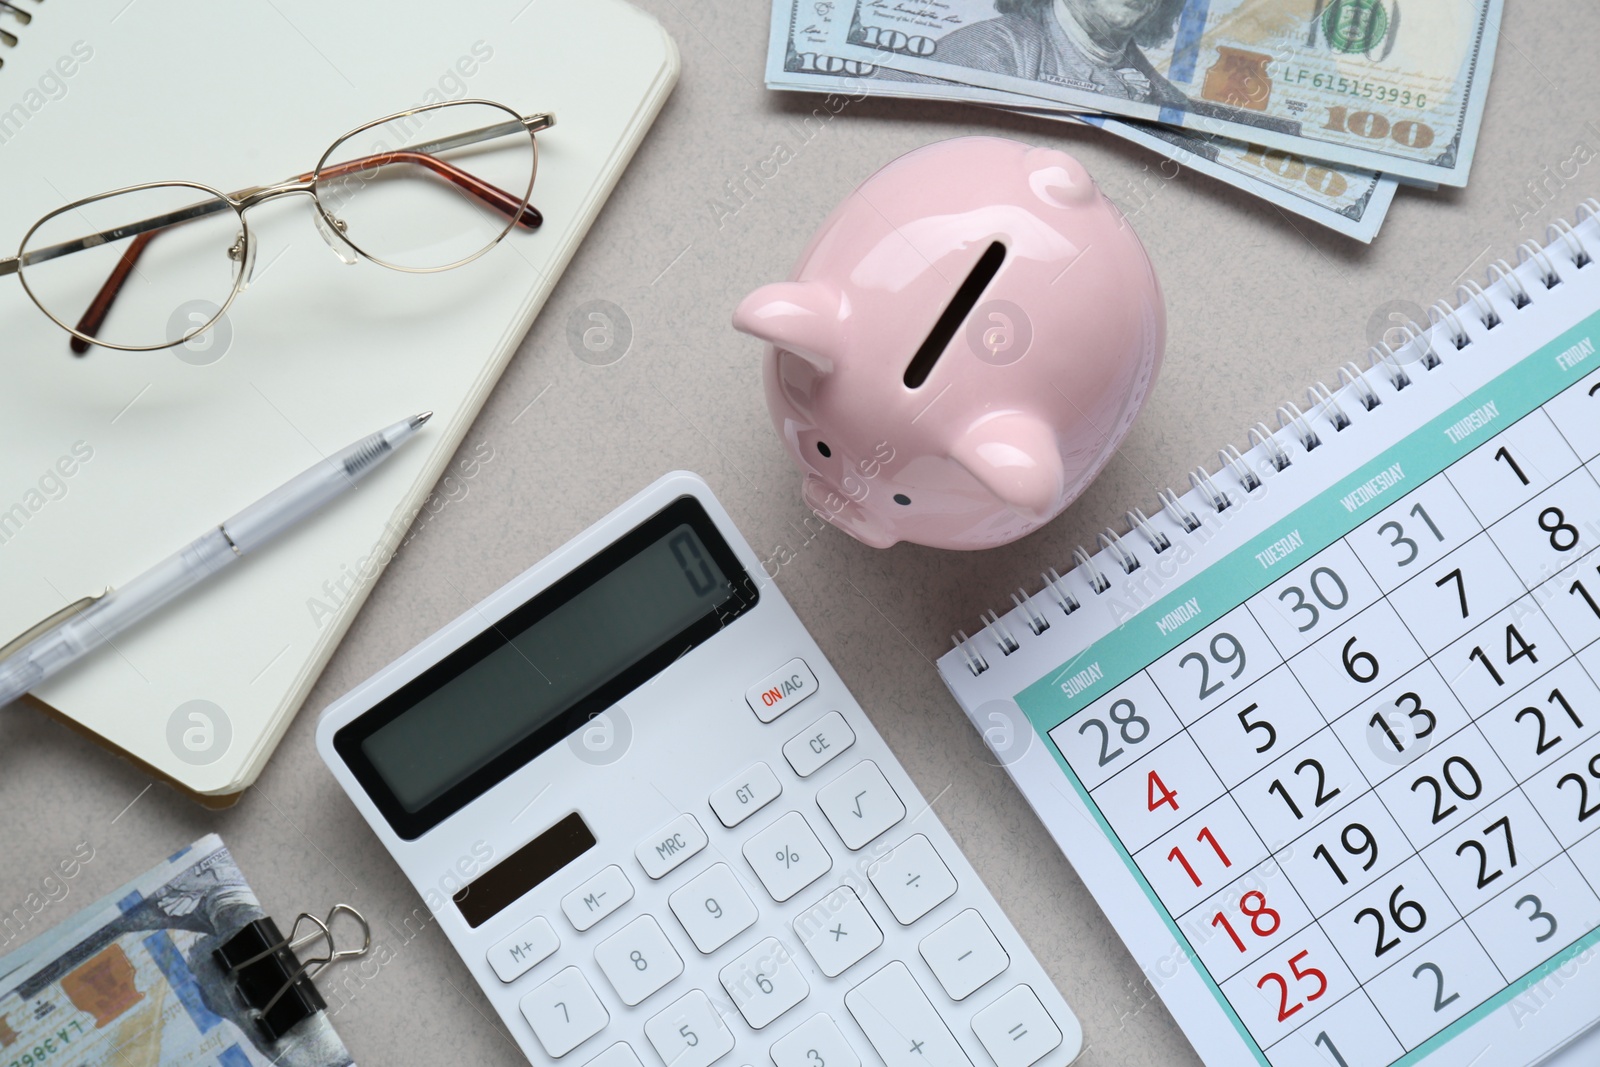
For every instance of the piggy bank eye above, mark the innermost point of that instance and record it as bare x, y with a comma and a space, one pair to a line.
901, 498
822, 446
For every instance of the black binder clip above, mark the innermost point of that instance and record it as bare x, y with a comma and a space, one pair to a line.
279, 989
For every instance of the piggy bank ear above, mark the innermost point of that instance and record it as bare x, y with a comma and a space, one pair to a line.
1016, 458
800, 317
1059, 179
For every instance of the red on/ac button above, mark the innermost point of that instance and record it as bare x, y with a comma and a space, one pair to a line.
781, 690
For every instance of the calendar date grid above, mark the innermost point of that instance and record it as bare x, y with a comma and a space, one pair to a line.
1476, 593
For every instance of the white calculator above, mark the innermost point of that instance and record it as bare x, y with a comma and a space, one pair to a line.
661, 833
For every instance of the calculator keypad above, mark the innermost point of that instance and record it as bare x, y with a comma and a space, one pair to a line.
759, 990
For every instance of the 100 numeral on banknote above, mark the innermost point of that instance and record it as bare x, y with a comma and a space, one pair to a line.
1378, 84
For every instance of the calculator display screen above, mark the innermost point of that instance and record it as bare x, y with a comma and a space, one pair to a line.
542, 672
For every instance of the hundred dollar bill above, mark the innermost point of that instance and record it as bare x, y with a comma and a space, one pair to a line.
131, 980
1351, 201
1358, 82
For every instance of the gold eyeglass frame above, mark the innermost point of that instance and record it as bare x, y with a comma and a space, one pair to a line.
333, 229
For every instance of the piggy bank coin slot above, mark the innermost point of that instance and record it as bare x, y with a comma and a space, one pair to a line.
954, 315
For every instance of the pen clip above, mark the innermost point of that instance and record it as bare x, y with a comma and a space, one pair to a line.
44, 626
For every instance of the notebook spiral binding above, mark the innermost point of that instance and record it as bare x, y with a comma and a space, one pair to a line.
1425, 348
11, 14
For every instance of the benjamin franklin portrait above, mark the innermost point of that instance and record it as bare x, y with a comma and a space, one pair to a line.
1091, 45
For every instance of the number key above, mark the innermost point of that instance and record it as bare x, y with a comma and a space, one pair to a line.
764, 983
816, 1042
713, 908
689, 1033
564, 1012
638, 959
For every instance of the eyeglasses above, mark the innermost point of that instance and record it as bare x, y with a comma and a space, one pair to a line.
96, 268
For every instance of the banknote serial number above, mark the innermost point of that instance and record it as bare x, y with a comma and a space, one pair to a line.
1338, 83
46, 1049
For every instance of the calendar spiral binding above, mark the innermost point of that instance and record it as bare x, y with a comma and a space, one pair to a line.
1338, 409
19, 16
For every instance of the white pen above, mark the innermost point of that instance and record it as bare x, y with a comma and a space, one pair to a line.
84, 626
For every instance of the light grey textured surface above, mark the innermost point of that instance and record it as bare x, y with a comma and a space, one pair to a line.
1260, 306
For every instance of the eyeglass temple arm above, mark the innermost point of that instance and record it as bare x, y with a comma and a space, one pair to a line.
94, 317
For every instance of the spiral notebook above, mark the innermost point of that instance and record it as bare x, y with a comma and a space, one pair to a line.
1322, 734
111, 461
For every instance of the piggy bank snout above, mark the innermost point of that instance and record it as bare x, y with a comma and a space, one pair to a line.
845, 513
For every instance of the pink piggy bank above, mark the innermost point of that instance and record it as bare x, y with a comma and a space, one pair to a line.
962, 346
